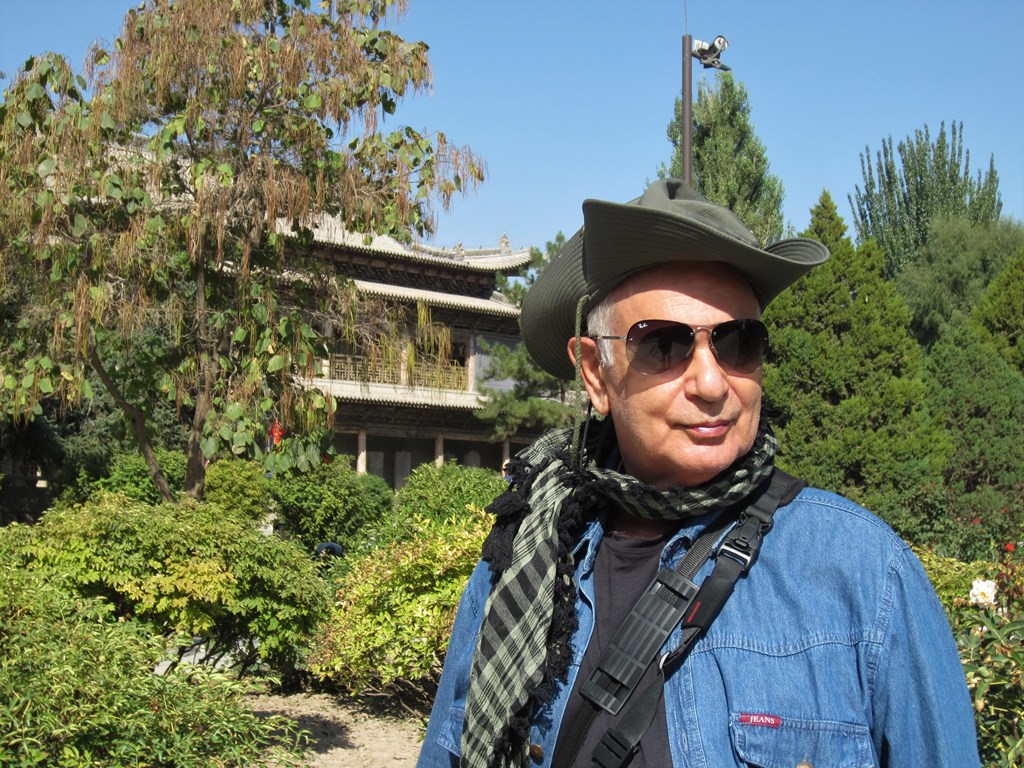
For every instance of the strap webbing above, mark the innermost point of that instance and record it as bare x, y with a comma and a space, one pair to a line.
637, 642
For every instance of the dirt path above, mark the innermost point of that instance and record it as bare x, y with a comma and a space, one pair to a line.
347, 735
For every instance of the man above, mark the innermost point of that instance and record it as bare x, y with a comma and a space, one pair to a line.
654, 592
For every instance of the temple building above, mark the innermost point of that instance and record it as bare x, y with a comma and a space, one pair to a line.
392, 420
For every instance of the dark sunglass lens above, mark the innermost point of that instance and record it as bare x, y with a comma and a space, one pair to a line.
659, 345
741, 344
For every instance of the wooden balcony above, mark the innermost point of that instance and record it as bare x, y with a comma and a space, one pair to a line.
365, 370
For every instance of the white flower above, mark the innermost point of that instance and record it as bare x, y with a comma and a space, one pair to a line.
983, 593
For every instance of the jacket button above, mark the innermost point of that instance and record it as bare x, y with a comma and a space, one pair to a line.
537, 752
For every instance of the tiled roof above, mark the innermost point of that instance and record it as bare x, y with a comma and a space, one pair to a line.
329, 231
395, 394
492, 306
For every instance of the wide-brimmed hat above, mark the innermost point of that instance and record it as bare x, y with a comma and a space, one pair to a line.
669, 223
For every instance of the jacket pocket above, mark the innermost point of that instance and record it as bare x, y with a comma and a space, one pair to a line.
773, 741
451, 734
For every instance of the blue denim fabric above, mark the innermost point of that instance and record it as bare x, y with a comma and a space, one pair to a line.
833, 651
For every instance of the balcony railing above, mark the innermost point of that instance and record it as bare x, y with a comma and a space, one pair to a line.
364, 369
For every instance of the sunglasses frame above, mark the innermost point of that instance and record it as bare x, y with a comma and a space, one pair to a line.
742, 325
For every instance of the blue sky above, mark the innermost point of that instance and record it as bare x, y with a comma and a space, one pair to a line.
570, 99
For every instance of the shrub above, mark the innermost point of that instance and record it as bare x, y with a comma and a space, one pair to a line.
435, 493
129, 474
78, 689
190, 569
988, 636
394, 609
240, 487
329, 503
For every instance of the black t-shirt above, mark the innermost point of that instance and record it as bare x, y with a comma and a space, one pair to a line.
623, 569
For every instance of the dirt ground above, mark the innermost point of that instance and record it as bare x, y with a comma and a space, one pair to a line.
348, 734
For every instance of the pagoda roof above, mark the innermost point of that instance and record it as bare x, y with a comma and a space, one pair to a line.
328, 231
496, 305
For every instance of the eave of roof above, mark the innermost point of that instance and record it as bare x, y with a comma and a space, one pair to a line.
329, 232
438, 299
394, 394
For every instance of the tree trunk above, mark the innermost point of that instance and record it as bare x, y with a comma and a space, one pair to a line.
195, 466
138, 425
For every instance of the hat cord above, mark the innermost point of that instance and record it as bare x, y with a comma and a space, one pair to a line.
582, 417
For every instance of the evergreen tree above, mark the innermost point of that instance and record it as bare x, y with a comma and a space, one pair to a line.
979, 399
916, 183
953, 268
1001, 312
519, 396
730, 164
844, 388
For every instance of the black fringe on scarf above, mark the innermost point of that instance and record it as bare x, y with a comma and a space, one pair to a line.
510, 508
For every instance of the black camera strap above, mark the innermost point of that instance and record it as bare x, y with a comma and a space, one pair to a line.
671, 599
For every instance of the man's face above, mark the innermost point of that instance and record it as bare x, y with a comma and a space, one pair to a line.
683, 426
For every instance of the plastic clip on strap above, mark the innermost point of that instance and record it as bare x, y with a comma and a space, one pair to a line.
662, 606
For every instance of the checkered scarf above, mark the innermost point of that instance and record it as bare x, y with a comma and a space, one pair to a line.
523, 648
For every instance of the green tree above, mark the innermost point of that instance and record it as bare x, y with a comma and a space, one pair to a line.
1001, 312
517, 395
730, 164
174, 192
915, 183
844, 387
952, 269
979, 399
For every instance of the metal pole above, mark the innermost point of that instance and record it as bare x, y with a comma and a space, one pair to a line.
687, 126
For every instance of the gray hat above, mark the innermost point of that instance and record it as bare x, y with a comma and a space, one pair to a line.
669, 223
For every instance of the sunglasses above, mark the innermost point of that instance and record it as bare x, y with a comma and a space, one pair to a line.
657, 346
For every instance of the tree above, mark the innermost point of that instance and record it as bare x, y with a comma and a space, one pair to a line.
519, 395
1000, 311
953, 268
979, 399
844, 387
730, 164
172, 200
919, 181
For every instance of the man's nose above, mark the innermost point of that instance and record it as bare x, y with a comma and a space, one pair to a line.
704, 377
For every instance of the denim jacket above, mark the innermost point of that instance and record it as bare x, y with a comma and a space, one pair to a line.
833, 651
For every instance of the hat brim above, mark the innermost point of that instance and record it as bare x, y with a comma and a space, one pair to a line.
619, 239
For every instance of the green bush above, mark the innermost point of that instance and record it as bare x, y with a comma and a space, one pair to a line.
331, 502
989, 637
435, 493
129, 474
189, 569
239, 487
394, 609
78, 689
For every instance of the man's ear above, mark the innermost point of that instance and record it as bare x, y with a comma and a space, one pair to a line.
592, 371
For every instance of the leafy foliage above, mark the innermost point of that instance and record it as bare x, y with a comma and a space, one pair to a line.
730, 164
130, 475
191, 570
985, 423
161, 212
953, 268
79, 689
844, 388
330, 503
917, 182
395, 607
442, 492
1000, 312
240, 488
517, 396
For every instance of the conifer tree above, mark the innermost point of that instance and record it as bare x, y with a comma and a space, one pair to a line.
730, 164
1000, 311
844, 388
908, 187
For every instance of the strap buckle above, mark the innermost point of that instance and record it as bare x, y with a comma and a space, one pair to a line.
739, 551
614, 750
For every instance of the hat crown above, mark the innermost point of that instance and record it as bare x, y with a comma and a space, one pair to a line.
676, 197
